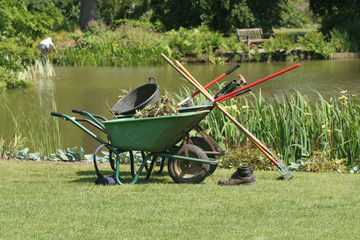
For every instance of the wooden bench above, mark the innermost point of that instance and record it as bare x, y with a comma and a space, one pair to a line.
251, 35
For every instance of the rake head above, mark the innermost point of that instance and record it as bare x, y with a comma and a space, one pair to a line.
284, 171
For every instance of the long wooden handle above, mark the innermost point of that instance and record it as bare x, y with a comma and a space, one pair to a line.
196, 84
203, 91
283, 170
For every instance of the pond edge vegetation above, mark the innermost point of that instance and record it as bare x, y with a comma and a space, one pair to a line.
134, 43
318, 136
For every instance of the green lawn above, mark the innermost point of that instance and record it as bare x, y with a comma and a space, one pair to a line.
288, 31
48, 201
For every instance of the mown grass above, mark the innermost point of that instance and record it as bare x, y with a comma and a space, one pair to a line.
288, 31
48, 201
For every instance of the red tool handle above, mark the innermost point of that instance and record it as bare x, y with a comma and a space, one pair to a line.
217, 79
232, 94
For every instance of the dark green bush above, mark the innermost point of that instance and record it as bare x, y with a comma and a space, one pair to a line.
194, 42
17, 21
315, 44
8, 81
13, 56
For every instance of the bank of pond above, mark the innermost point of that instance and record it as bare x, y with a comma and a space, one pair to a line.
132, 45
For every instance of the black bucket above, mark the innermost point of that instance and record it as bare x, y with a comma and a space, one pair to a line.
138, 98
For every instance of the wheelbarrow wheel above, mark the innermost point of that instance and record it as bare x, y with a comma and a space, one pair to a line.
204, 145
183, 171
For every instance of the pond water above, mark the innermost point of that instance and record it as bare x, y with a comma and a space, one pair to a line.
95, 89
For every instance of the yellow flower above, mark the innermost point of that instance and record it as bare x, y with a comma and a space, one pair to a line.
343, 92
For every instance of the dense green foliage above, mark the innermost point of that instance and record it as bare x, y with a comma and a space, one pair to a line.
341, 16
292, 16
223, 16
19, 28
136, 43
163, 27
103, 45
24, 26
294, 127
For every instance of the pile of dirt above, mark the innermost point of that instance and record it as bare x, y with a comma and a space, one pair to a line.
163, 107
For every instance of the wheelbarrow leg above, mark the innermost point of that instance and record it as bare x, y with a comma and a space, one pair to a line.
132, 164
161, 165
150, 171
137, 174
111, 160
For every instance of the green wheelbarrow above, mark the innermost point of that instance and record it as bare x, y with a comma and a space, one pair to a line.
165, 136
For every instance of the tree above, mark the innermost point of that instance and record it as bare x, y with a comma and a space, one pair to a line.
340, 16
88, 11
219, 15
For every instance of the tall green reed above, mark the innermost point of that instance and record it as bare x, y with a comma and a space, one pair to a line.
37, 71
294, 126
40, 130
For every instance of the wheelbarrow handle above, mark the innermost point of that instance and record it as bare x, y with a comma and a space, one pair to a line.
92, 116
81, 112
56, 114
78, 111
75, 121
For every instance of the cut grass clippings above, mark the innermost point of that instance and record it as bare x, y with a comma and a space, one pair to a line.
53, 201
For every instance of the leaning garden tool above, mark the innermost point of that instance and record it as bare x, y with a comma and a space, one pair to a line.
230, 95
230, 87
283, 170
208, 85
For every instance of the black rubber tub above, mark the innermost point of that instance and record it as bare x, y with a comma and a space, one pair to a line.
138, 98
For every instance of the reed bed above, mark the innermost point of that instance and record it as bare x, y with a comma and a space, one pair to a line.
35, 127
296, 127
39, 70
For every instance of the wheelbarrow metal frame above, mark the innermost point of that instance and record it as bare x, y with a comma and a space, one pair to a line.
117, 151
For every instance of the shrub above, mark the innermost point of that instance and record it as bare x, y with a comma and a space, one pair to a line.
13, 56
123, 45
314, 43
278, 47
8, 81
194, 42
18, 22
340, 40
10, 149
246, 155
319, 162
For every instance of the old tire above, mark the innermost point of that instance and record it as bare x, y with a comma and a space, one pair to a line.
183, 171
204, 145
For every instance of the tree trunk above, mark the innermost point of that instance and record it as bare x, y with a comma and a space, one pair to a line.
88, 12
